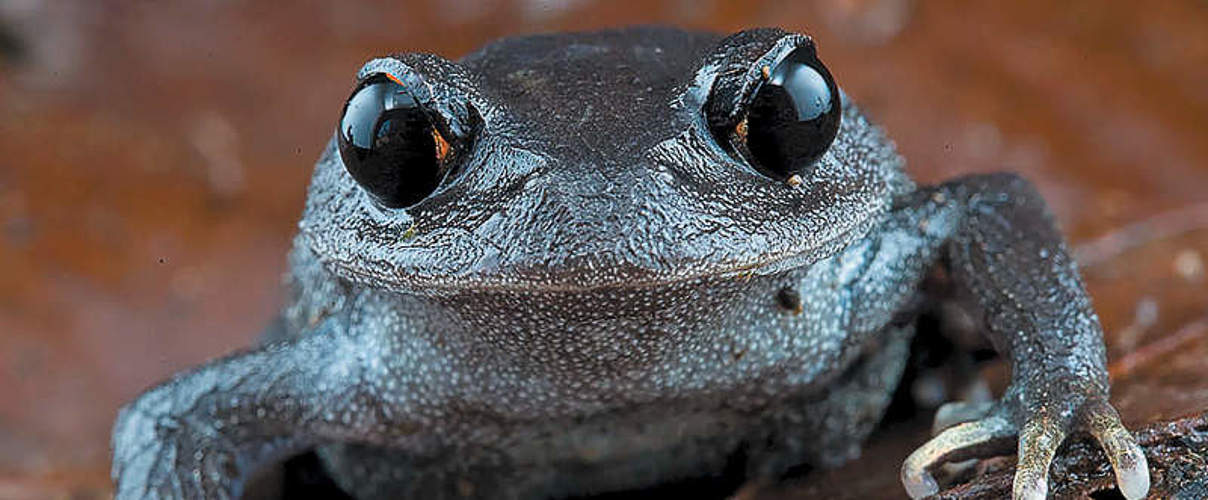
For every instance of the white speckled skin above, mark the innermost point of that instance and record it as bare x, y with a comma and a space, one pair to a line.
589, 302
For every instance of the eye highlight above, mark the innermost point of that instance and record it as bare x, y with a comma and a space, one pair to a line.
390, 144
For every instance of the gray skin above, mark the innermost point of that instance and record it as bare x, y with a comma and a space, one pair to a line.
594, 299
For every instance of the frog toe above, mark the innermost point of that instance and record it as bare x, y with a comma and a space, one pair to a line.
979, 438
1127, 459
1038, 443
959, 412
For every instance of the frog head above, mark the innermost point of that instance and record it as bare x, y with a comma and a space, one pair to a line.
636, 158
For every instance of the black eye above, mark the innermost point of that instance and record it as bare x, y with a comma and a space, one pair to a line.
389, 144
793, 117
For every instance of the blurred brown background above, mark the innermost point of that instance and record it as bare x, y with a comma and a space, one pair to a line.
153, 161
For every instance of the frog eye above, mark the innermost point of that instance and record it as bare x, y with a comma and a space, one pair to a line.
794, 115
791, 118
390, 144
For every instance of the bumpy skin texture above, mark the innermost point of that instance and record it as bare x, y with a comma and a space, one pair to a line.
592, 300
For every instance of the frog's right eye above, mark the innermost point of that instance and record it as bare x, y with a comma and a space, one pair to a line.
390, 144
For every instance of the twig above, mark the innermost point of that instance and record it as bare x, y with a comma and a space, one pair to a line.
1135, 235
1158, 348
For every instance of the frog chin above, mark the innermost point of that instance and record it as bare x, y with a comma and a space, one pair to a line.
604, 329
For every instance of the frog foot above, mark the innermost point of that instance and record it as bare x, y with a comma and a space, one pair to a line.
158, 456
964, 431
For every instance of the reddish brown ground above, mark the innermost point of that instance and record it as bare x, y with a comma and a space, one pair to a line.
153, 161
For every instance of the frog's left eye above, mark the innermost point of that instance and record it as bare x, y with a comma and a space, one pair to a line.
794, 115
390, 144
789, 117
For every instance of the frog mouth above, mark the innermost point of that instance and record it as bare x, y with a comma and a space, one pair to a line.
567, 275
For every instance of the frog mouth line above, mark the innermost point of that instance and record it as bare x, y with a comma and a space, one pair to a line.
426, 284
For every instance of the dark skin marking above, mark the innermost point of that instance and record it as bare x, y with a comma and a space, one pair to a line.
790, 300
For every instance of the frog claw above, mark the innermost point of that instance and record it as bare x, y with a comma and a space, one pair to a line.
967, 440
1042, 434
1030, 488
1039, 437
1127, 459
920, 486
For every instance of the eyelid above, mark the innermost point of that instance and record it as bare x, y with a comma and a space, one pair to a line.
390, 67
731, 92
454, 118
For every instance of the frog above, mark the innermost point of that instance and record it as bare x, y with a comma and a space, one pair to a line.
578, 263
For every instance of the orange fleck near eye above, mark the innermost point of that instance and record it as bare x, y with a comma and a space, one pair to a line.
442, 146
394, 79
740, 130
